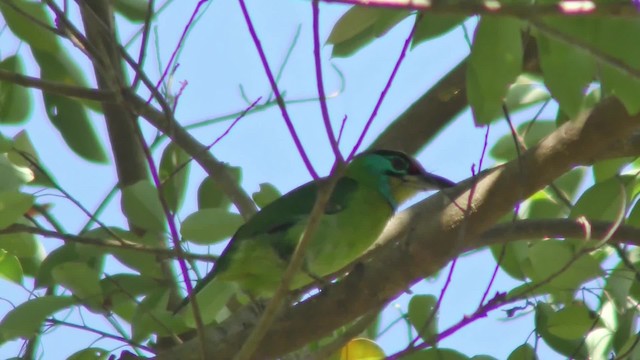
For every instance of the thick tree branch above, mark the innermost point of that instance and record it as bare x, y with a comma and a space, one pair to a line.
424, 238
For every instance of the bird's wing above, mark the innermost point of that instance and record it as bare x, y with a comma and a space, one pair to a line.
279, 216
287, 210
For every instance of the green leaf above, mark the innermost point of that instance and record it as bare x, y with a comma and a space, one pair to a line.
10, 267
145, 263
359, 26
213, 298
90, 354
618, 285
210, 195
569, 348
430, 25
511, 257
618, 38
142, 206
15, 100
421, 308
173, 172
598, 343
525, 91
13, 176
571, 322
121, 290
13, 205
436, 354
266, 195
604, 200
569, 183
66, 253
70, 118
82, 280
25, 157
209, 226
494, 63
523, 352
25, 320
605, 169
549, 259
24, 29
568, 72
151, 317
21, 245
631, 347
530, 132
134, 10
543, 206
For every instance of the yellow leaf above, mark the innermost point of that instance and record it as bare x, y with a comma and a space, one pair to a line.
361, 349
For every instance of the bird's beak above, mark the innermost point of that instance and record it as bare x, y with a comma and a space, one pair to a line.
427, 181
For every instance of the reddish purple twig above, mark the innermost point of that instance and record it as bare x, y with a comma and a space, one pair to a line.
226, 132
175, 51
274, 88
344, 121
405, 47
183, 85
495, 269
432, 316
320, 83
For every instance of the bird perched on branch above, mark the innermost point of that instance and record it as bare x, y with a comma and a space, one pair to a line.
374, 184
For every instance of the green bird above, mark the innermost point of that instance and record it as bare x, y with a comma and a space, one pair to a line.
374, 184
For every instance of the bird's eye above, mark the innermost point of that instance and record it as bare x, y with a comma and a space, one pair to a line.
399, 164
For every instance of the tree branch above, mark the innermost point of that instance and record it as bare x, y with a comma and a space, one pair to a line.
56, 87
119, 244
556, 228
199, 152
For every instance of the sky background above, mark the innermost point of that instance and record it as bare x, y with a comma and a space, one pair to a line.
219, 58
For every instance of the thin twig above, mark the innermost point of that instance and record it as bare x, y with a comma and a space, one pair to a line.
113, 244
178, 46
320, 83
175, 237
57, 87
276, 91
403, 52
145, 39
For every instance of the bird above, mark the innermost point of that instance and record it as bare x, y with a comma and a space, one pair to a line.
373, 185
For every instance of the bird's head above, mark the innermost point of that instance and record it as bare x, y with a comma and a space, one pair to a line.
397, 175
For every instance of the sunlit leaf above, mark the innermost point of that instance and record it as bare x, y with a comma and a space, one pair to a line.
361, 349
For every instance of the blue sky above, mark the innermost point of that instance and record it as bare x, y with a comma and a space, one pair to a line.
217, 59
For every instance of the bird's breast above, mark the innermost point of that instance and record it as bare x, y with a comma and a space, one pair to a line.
344, 236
